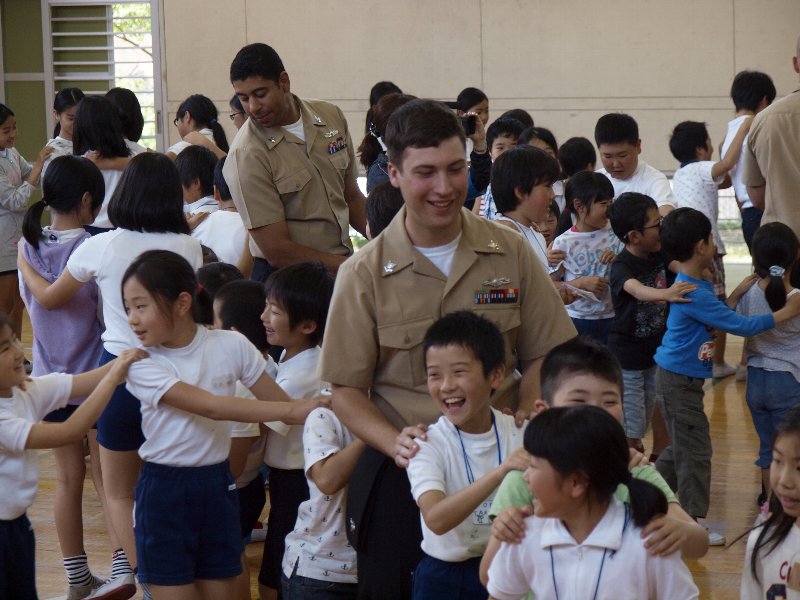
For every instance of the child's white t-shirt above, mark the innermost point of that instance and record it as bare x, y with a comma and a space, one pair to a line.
736, 172
549, 556
299, 378
583, 251
694, 187
19, 468
773, 568
214, 361
107, 256
645, 180
180, 146
206, 204
111, 177
255, 457
440, 466
61, 147
223, 232
318, 543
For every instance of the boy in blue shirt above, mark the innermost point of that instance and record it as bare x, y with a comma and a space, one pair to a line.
686, 354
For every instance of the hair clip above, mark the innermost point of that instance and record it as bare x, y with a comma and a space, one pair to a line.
776, 271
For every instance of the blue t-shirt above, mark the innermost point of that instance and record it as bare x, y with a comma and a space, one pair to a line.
687, 347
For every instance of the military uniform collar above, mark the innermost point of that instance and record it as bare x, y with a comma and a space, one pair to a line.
312, 122
398, 252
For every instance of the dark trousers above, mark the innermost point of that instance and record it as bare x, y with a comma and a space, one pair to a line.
383, 520
17, 560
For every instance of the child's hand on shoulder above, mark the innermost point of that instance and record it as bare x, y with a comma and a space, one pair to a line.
636, 459
405, 444
607, 256
664, 535
677, 291
300, 409
119, 370
518, 460
740, 289
509, 525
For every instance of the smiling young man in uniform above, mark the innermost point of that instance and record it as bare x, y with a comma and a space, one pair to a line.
291, 169
434, 258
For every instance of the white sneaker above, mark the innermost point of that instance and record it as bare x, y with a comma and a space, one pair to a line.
715, 539
120, 588
258, 534
79, 592
722, 371
741, 373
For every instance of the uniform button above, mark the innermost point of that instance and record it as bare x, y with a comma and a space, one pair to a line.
408, 338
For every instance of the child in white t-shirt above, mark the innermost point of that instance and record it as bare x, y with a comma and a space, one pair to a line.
467, 453
582, 542
318, 554
187, 528
298, 297
237, 307
588, 248
695, 185
24, 403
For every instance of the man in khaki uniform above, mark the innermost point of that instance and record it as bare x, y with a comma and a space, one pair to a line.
771, 159
434, 258
291, 169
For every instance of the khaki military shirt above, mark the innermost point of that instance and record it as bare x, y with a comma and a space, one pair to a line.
388, 294
772, 156
273, 176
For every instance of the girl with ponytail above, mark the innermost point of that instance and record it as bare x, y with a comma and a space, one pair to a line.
67, 339
198, 123
582, 542
64, 106
773, 372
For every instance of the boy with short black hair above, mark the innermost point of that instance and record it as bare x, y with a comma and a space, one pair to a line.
522, 180
696, 184
751, 92
298, 297
196, 171
222, 230
617, 139
467, 453
222, 194
584, 371
502, 134
641, 284
383, 203
575, 155
684, 358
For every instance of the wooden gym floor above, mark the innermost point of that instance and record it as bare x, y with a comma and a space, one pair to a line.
734, 487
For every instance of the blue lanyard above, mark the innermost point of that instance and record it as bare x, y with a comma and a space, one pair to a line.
470, 474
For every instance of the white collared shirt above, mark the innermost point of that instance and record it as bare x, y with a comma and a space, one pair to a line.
628, 571
205, 204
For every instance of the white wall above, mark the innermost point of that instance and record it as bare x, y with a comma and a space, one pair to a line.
567, 63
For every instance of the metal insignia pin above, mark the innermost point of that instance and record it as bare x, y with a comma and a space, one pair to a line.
271, 139
317, 120
497, 282
331, 133
389, 267
493, 245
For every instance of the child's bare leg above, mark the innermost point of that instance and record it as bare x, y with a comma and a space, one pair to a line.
97, 479
190, 591
765, 481
68, 503
720, 338
242, 582
120, 472
267, 593
11, 302
212, 589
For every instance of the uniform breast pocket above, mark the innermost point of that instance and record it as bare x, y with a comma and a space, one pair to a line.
507, 319
293, 182
340, 160
401, 350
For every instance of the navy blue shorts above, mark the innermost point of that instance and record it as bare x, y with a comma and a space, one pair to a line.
186, 522
434, 578
17, 560
119, 427
60, 415
288, 489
